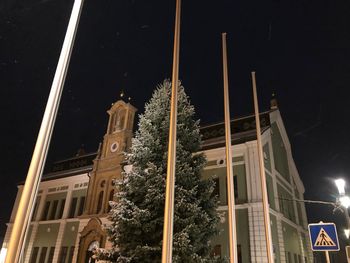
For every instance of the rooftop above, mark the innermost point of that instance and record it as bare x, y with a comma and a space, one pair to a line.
242, 129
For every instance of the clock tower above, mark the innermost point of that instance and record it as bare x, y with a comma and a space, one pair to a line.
108, 163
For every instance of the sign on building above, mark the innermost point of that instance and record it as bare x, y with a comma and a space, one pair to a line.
323, 237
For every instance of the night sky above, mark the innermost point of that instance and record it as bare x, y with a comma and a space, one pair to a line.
299, 49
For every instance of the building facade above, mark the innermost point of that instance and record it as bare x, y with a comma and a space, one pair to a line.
73, 199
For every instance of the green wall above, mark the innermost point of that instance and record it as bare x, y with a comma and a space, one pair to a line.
270, 191
275, 242
286, 203
219, 173
239, 171
299, 208
279, 153
267, 158
45, 237
70, 234
291, 241
242, 235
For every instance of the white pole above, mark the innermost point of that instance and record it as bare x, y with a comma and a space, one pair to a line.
328, 260
262, 177
167, 248
26, 204
229, 170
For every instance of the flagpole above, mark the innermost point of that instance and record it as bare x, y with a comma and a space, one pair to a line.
167, 248
26, 203
262, 176
229, 167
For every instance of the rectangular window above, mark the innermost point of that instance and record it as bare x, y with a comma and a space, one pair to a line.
281, 203
239, 254
285, 208
81, 205
51, 253
43, 255
35, 211
53, 210
73, 206
235, 186
63, 201
71, 253
46, 210
34, 255
63, 255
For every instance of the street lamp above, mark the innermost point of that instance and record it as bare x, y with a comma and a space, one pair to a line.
347, 232
340, 183
343, 201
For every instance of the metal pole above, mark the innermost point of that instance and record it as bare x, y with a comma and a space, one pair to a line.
347, 252
167, 248
26, 203
347, 218
229, 170
346, 212
262, 176
327, 256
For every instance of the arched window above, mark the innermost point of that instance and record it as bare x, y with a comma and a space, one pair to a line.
99, 202
113, 121
111, 198
118, 120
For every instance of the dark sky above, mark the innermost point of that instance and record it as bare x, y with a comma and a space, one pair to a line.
299, 49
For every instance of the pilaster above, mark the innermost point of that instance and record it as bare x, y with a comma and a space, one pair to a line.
281, 240
59, 240
68, 201
31, 241
257, 234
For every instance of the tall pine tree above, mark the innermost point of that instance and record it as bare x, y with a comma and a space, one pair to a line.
137, 217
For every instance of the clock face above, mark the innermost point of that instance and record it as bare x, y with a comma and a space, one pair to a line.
114, 147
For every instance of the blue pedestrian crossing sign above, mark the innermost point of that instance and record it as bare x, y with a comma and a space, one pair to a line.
323, 237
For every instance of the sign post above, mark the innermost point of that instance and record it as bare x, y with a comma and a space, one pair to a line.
324, 237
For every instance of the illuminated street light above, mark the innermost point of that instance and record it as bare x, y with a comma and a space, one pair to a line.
344, 201
340, 183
